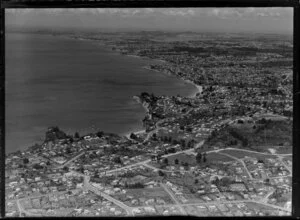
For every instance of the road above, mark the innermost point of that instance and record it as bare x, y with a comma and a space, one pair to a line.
74, 158
265, 200
251, 151
138, 163
180, 206
147, 161
180, 152
20, 208
157, 126
280, 157
185, 171
286, 167
199, 144
129, 210
174, 198
241, 161
109, 198
126, 167
218, 203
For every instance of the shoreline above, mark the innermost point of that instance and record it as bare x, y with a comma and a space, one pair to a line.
197, 87
109, 47
144, 58
127, 134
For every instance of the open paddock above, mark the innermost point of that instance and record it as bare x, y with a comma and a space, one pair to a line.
182, 158
241, 154
215, 157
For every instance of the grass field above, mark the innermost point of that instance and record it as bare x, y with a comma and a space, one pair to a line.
150, 193
215, 157
284, 149
242, 154
261, 207
191, 160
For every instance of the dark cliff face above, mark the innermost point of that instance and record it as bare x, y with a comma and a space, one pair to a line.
54, 133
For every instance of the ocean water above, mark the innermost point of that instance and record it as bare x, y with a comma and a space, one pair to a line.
76, 85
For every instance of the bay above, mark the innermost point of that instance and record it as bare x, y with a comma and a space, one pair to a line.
76, 85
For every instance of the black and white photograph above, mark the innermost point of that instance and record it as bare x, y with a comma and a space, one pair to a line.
128, 112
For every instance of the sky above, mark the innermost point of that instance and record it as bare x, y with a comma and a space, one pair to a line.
258, 20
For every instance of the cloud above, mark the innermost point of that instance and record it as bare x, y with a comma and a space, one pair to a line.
222, 13
220, 19
225, 13
179, 12
229, 13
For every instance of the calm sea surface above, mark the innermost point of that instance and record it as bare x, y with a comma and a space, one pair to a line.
76, 85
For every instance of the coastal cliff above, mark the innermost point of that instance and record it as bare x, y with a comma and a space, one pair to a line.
54, 133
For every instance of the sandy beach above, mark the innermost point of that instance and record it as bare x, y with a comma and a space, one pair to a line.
135, 132
199, 88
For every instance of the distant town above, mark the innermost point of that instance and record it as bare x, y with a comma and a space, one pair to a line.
226, 151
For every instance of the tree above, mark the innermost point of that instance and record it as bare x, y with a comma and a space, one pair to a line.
165, 139
166, 161
100, 133
267, 181
204, 158
192, 190
117, 160
182, 142
196, 181
160, 173
154, 135
186, 165
199, 157
68, 150
76, 135
176, 161
234, 142
66, 169
171, 150
189, 129
225, 181
37, 166
216, 181
133, 136
25, 160
175, 142
71, 140
263, 121
81, 169
48, 163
